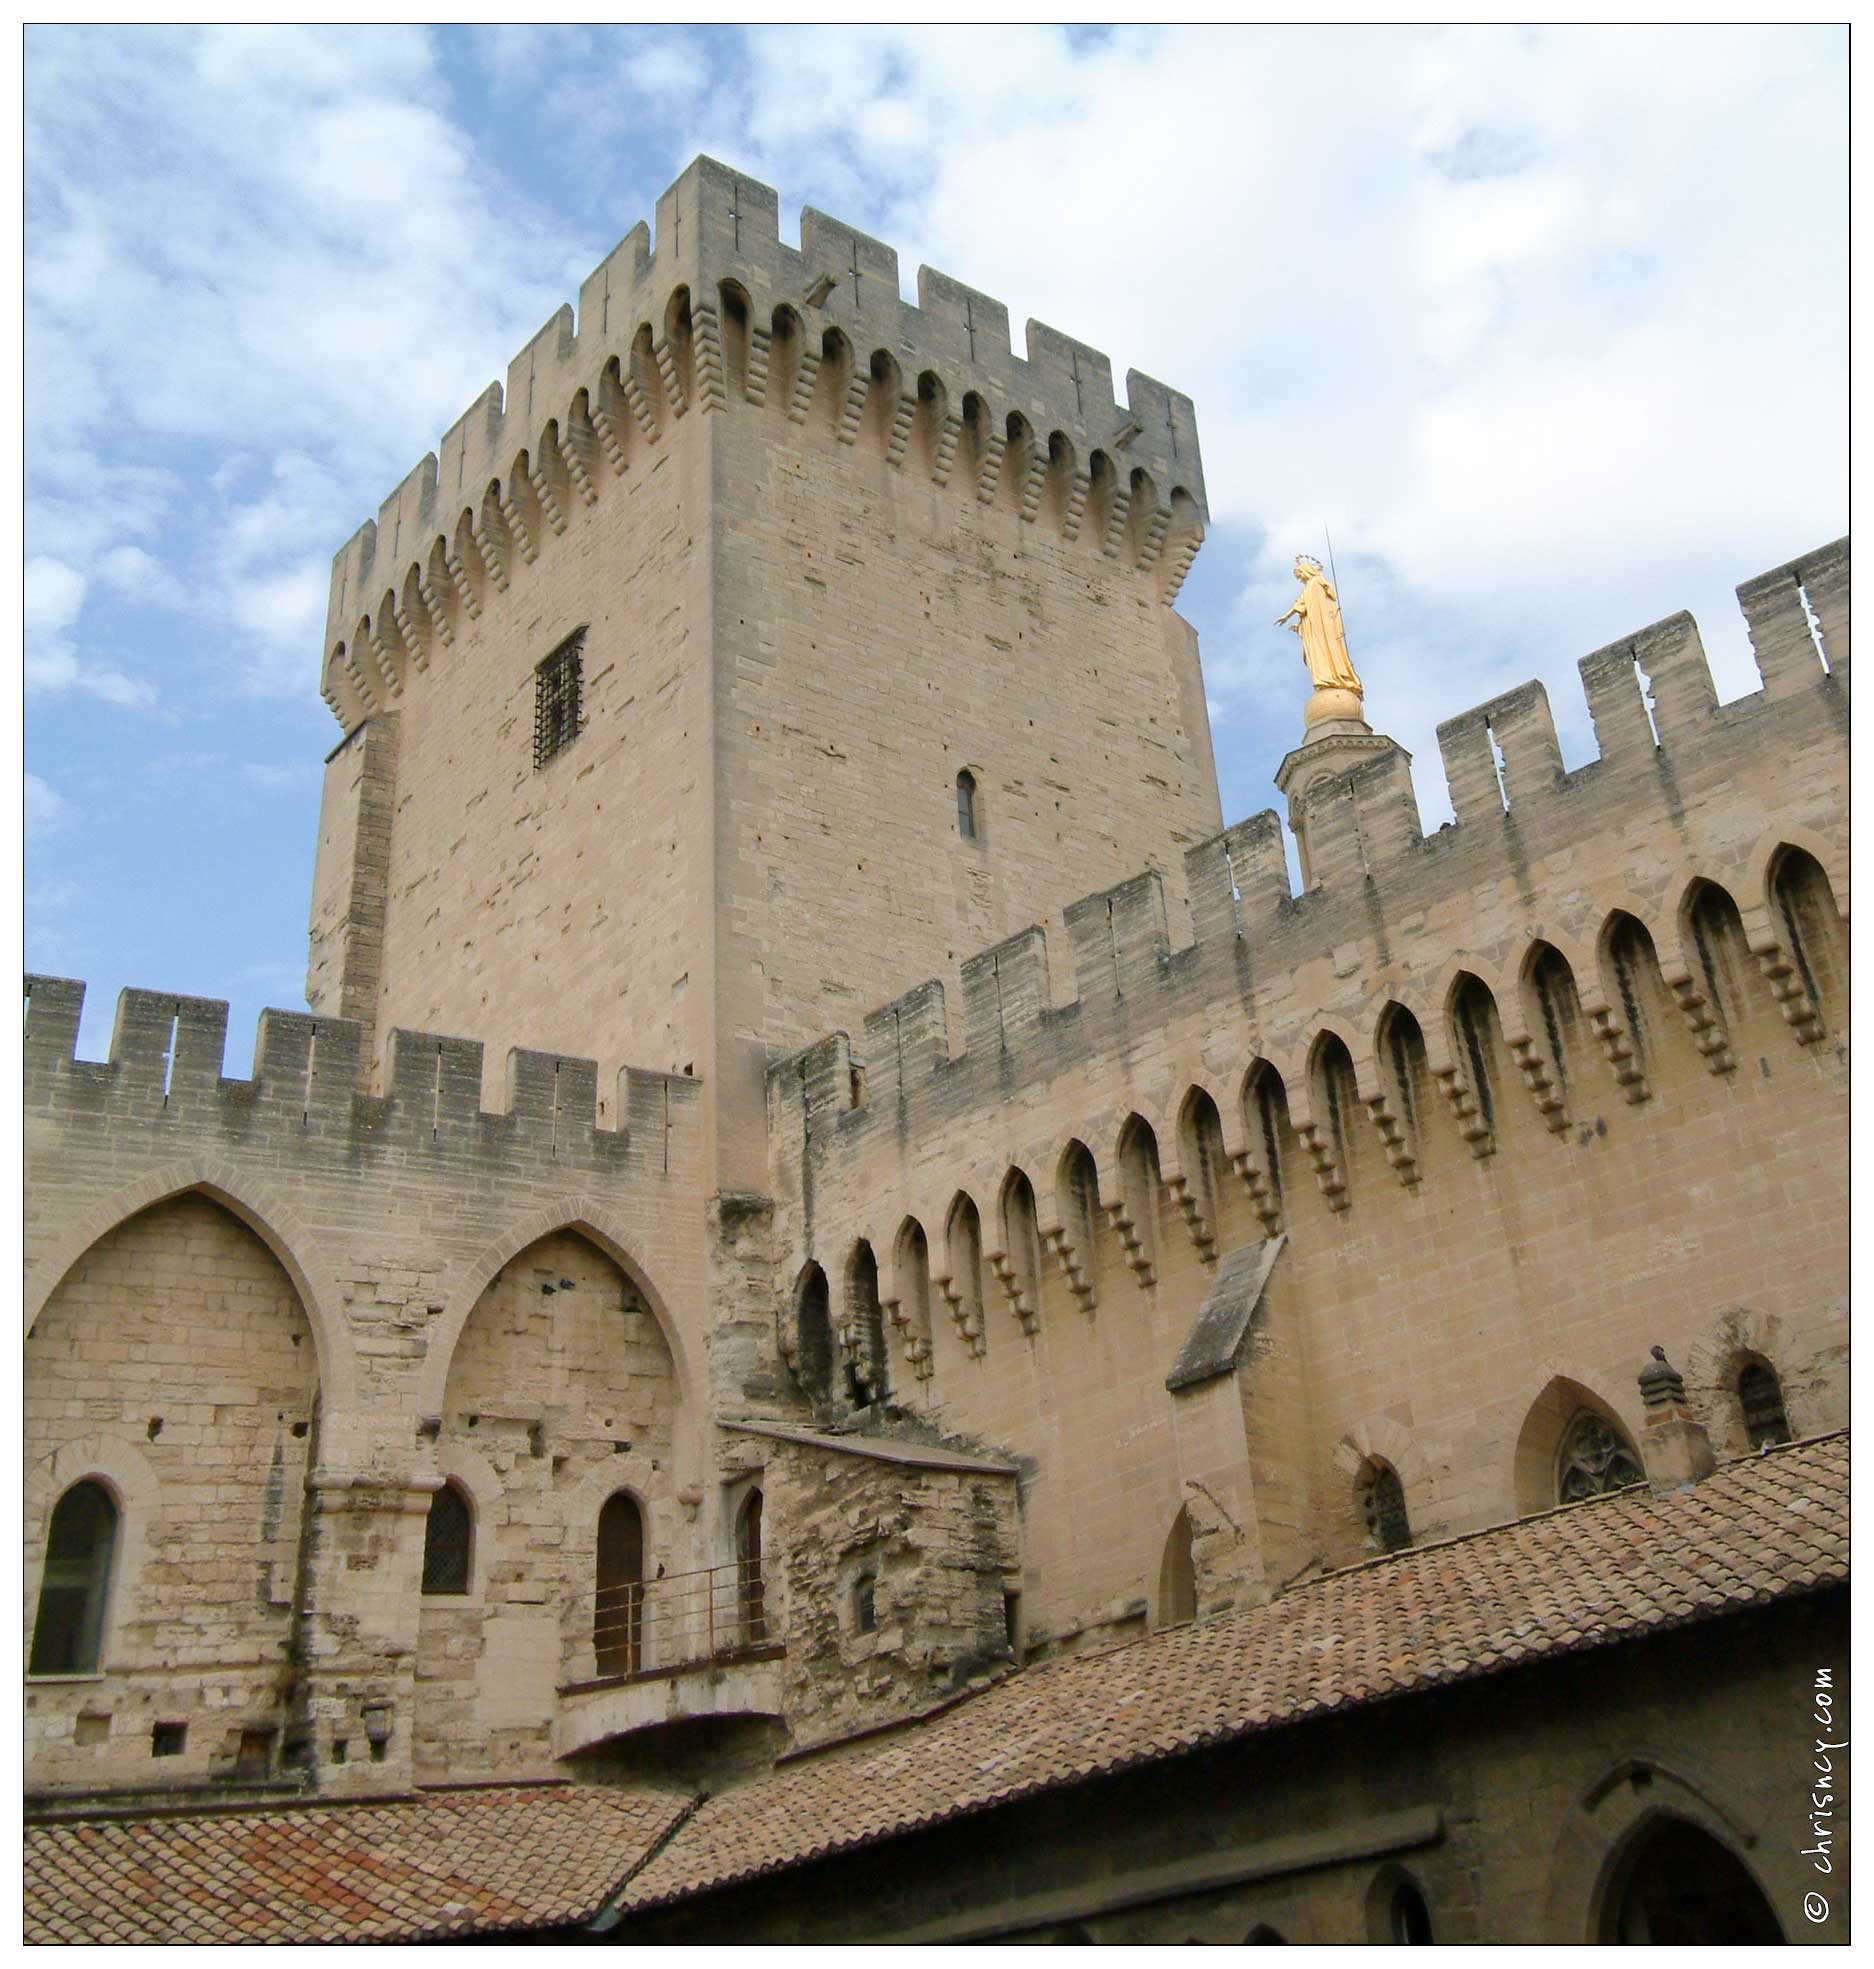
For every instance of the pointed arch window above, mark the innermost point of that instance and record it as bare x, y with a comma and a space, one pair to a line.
81, 1546
1177, 1574
1594, 1459
448, 1542
1411, 1918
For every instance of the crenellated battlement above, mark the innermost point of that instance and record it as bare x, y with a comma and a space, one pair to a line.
720, 312
167, 1053
1511, 874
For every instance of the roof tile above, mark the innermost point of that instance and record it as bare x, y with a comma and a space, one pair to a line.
1582, 1576
444, 1863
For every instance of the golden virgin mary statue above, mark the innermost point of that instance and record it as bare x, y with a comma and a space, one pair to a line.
1316, 616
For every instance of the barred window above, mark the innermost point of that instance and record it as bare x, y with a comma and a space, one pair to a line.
446, 1542
1761, 1397
1383, 1505
557, 707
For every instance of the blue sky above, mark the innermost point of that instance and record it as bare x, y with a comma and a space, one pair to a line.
1549, 327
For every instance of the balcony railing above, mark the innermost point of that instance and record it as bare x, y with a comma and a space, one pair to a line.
644, 1630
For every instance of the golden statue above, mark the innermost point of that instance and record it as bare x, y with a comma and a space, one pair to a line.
1316, 616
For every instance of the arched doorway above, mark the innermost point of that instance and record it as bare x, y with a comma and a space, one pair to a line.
1677, 1884
618, 1605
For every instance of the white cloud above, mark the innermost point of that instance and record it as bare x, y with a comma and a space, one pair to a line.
334, 300
667, 69
140, 577
1547, 324
53, 595
55, 668
45, 809
1493, 304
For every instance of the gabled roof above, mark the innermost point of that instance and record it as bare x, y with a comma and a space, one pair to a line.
1611, 1569
418, 1869
479, 1861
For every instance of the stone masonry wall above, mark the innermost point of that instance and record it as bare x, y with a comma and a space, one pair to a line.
938, 1548
373, 1228
174, 1364
560, 1393
559, 907
823, 545
1491, 1211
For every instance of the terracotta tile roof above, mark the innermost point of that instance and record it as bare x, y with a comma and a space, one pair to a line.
448, 1863
1611, 1569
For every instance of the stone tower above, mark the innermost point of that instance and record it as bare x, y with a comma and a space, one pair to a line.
625, 667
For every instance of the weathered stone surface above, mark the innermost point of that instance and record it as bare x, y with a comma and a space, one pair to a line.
1216, 1335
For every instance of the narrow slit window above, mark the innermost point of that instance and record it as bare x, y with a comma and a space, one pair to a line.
558, 710
968, 820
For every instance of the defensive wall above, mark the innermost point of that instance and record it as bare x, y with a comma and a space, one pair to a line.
657, 333
811, 541
414, 1291
1564, 1079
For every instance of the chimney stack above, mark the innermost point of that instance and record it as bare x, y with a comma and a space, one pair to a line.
1677, 1450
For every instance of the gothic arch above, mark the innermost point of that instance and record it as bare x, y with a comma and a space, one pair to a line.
1356, 1036
341, 693
1546, 1420
468, 1278
1752, 888
1435, 1013
462, 1464
1665, 939
1728, 1342
813, 1334
1613, 1815
262, 1210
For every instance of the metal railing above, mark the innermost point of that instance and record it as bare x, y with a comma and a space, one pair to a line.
656, 1626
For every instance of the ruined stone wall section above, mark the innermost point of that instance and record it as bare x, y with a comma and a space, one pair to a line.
937, 1549
1678, 1110
723, 315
